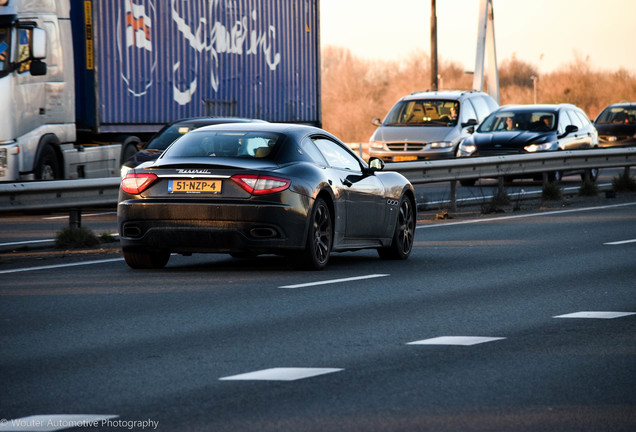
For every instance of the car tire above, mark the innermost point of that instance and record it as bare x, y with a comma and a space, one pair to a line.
404, 233
315, 256
146, 259
555, 177
592, 173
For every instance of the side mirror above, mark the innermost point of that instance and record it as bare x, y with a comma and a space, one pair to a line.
376, 164
569, 129
37, 68
38, 51
470, 122
376, 122
470, 129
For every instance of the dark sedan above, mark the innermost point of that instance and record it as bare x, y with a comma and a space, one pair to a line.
257, 188
152, 149
522, 129
616, 125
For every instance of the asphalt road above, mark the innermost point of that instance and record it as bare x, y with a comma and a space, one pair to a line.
31, 230
366, 345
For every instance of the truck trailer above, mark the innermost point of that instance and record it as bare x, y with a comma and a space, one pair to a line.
84, 82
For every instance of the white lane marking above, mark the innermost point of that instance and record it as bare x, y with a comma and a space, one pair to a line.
56, 266
281, 374
620, 242
332, 281
25, 242
596, 315
521, 216
83, 215
55, 422
456, 340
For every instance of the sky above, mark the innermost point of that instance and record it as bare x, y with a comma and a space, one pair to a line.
547, 34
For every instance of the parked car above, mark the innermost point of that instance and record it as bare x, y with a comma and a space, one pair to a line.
521, 129
616, 125
428, 125
253, 188
152, 149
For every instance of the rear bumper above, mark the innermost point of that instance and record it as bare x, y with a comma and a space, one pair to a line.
212, 227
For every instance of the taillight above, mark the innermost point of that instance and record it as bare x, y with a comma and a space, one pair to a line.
261, 184
136, 183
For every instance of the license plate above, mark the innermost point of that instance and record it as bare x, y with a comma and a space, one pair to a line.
194, 186
404, 158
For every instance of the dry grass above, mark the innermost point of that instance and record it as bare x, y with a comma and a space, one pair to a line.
355, 90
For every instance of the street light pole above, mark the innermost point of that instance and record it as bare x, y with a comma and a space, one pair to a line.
434, 75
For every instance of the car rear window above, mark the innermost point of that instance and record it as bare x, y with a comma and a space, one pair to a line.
233, 144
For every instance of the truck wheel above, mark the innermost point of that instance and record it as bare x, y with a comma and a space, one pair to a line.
47, 166
128, 152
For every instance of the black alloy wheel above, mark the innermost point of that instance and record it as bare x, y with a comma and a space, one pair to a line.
404, 234
319, 238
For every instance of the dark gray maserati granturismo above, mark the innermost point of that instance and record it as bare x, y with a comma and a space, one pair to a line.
258, 188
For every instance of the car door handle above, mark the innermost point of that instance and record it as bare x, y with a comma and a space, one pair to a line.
347, 182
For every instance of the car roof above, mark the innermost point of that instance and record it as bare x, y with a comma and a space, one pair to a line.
284, 128
621, 104
443, 94
215, 120
536, 107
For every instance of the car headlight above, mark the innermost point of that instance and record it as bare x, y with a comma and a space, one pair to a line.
441, 144
533, 148
466, 149
376, 144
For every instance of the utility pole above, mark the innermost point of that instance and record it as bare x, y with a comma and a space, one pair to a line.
434, 76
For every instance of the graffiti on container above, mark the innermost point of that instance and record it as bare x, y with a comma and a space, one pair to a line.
243, 37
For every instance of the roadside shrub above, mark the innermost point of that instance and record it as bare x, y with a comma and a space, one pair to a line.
624, 183
551, 192
588, 188
72, 238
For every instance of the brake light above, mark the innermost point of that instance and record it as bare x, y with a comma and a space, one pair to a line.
136, 183
261, 184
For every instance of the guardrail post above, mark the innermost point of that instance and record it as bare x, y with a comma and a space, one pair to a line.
626, 173
501, 187
546, 179
453, 195
75, 218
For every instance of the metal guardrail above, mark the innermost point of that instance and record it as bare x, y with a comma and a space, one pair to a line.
74, 194
58, 194
502, 166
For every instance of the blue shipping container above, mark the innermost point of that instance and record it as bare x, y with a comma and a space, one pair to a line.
148, 62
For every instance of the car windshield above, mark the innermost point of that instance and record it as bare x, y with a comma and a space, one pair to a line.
5, 40
168, 135
534, 121
618, 115
225, 144
423, 112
